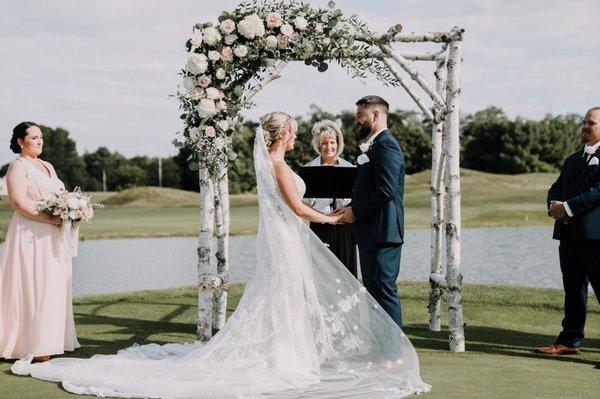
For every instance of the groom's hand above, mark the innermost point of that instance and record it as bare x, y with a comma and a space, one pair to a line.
347, 215
557, 210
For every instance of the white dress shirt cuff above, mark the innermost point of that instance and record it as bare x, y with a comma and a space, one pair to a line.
568, 209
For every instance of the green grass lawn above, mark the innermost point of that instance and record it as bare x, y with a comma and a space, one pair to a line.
488, 200
504, 324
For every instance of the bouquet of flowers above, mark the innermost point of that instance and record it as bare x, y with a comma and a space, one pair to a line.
72, 206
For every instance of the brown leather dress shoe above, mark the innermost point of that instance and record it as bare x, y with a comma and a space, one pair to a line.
557, 349
41, 359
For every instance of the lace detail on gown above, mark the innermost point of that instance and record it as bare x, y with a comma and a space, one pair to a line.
304, 328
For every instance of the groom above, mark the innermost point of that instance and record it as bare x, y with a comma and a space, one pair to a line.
376, 211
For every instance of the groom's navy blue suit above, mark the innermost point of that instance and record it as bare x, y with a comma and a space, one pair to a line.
379, 227
579, 250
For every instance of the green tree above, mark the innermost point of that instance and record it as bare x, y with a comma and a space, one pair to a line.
128, 175
61, 151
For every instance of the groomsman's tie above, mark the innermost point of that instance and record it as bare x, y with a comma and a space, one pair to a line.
588, 152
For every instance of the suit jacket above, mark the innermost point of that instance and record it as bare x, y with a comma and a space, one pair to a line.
377, 198
579, 184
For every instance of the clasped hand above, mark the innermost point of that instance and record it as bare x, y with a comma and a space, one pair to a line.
557, 211
346, 215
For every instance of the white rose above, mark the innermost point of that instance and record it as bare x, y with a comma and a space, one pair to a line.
209, 131
222, 105
326, 41
300, 23
287, 30
189, 82
74, 215
296, 37
196, 41
227, 26
319, 28
220, 143
220, 74
194, 134
214, 55
240, 51
197, 93
229, 39
271, 41
274, 20
197, 64
251, 26
223, 125
73, 203
213, 93
211, 36
82, 203
204, 81
206, 108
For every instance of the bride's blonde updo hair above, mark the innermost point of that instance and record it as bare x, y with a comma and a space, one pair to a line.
274, 122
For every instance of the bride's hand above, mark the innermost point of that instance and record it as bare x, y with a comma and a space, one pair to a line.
334, 218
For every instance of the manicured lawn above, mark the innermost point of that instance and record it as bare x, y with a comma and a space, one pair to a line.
503, 325
487, 201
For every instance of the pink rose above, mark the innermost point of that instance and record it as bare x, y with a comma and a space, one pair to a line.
274, 20
227, 54
214, 55
295, 37
282, 41
204, 81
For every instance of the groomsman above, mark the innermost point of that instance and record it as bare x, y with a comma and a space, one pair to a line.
574, 201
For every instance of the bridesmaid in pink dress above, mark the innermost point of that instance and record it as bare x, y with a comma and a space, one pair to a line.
36, 310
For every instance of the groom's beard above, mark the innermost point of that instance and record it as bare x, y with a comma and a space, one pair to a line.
363, 130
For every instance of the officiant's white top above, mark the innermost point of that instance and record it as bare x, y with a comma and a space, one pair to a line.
327, 205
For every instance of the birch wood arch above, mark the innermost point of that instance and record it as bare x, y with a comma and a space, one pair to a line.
231, 62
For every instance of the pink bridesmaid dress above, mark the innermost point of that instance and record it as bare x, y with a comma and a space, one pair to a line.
36, 310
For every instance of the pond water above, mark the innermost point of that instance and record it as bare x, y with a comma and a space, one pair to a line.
525, 256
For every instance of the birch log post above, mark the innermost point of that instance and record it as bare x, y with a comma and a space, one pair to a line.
408, 89
453, 230
437, 204
222, 225
205, 273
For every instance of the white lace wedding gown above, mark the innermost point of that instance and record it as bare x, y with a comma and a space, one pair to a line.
304, 328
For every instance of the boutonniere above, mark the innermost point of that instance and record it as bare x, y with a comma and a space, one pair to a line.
362, 159
364, 147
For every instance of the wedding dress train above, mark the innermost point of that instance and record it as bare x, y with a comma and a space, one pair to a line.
304, 328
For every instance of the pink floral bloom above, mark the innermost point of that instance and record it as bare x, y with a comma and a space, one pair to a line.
274, 20
227, 53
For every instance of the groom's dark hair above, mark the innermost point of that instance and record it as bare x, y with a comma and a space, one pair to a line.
373, 101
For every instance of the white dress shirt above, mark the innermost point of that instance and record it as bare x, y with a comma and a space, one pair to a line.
327, 205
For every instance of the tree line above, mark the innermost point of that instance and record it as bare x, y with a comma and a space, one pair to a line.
490, 142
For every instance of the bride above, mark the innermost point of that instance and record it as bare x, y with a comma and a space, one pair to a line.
304, 328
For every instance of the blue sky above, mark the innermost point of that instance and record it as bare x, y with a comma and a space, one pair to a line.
104, 70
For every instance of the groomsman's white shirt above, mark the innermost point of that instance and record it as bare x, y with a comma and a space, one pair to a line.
588, 150
324, 205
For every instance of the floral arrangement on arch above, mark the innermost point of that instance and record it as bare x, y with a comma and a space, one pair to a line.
227, 59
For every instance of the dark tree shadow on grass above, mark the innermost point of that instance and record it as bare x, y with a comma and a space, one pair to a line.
499, 341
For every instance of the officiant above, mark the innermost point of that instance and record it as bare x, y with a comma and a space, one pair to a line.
328, 142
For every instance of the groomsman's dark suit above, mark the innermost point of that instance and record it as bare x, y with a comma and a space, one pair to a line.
578, 185
379, 226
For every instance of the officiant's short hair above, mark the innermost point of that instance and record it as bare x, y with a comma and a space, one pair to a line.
324, 128
373, 101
